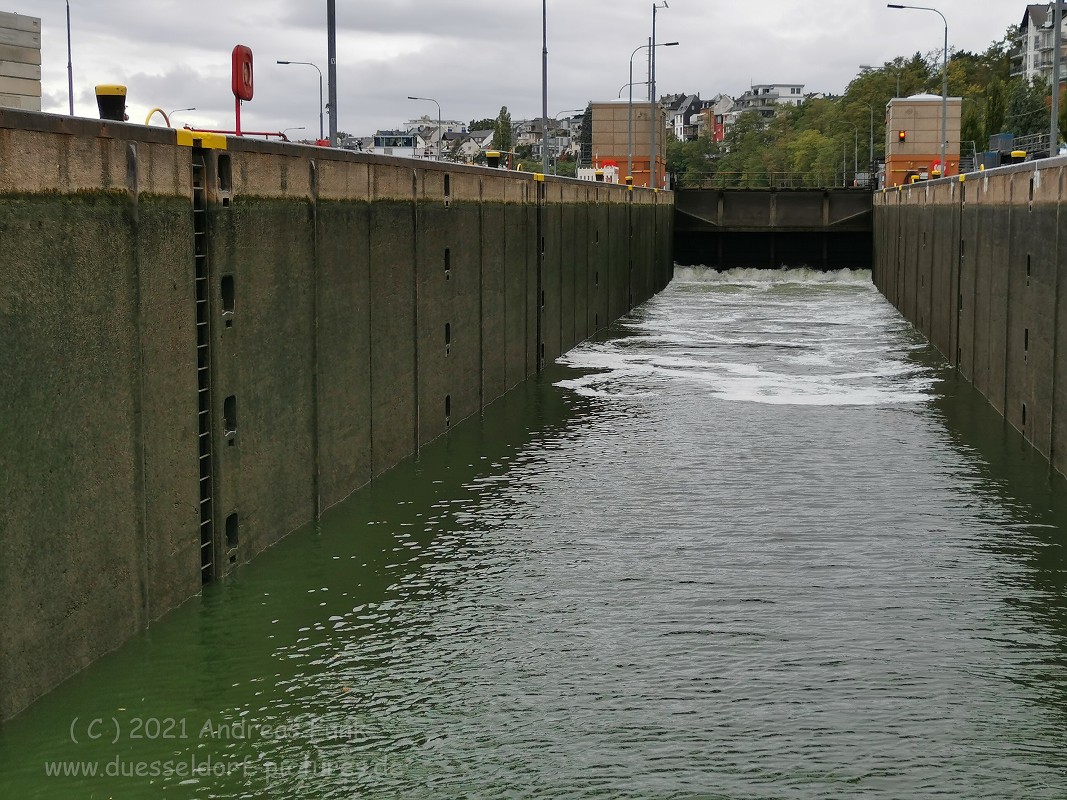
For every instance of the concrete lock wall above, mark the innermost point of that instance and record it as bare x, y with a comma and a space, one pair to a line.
354, 308
975, 265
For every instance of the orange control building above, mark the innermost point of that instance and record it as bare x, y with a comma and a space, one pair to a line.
913, 139
612, 138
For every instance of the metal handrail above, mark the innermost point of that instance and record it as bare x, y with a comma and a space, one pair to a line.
766, 180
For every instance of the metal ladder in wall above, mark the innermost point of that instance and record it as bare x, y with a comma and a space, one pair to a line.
203, 368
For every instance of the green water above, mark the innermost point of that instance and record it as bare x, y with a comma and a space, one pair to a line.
757, 542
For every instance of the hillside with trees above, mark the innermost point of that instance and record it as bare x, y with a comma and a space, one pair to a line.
823, 142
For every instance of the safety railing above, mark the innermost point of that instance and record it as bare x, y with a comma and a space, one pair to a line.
774, 180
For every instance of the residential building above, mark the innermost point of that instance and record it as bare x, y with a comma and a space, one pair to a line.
714, 117
426, 128
562, 135
463, 147
425, 122
566, 135
682, 111
527, 133
1032, 56
402, 144
767, 98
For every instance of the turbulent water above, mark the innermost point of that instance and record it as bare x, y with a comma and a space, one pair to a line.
755, 542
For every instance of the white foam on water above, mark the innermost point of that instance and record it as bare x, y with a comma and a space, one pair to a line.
743, 276
797, 337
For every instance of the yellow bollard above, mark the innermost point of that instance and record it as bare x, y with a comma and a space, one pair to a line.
111, 102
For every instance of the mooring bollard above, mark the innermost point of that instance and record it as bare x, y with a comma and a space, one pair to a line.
111, 101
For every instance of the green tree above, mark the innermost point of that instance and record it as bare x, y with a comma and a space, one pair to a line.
487, 124
996, 109
566, 167
1027, 107
741, 162
972, 125
502, 136
690, 162
585, 138
806, 144
811, 157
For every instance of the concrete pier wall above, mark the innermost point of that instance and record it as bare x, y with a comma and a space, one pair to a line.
977, 265
354, 308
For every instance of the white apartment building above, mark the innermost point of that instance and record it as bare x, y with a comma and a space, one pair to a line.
1032, 57
767, 98
402, 144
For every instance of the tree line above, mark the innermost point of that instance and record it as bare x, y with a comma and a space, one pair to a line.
823, 142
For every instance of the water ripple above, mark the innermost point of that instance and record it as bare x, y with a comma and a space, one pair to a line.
742, 552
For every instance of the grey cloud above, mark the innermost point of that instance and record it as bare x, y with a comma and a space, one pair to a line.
475, 55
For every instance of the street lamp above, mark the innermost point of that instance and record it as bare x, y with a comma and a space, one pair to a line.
944, 80
866, 68
630, 112
70, 67
286, 130
855, 149
544, 86
309, 64
179, 110
1057, 33
652, 95
331, 67
870, 146
440, 132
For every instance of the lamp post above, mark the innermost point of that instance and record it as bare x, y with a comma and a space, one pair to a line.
70, 67
896, 71
331, 68
870, 145
866, 68
309, 64
652, 95
855, 148
630, 112
440, 131
286, 130
1054, 132
544, 87
170, 116
944, 80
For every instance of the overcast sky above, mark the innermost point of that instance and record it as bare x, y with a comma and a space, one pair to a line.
472, 56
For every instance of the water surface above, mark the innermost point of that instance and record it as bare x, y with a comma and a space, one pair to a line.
755, 542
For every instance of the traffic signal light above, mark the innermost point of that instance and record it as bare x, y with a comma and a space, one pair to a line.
902, 136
